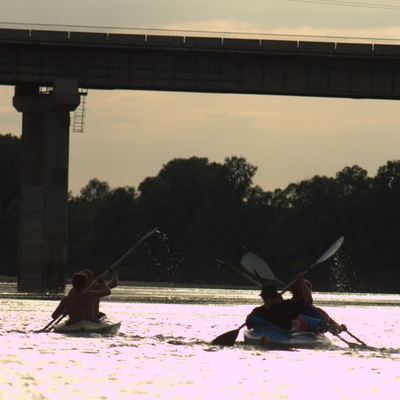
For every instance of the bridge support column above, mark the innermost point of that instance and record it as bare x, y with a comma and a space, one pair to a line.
42, 250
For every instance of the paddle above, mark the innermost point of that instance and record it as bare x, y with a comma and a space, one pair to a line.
54, 321
356, 338
328, 254
229, 338
239, 272
351, 345
116, 264
256, 265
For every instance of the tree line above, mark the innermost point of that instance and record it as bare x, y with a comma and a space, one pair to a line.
208, 211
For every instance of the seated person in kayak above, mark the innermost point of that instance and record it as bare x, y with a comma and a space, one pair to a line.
313, 319
275, 309
94, 285
81, 304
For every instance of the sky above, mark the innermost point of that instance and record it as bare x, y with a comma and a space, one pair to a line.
130, 135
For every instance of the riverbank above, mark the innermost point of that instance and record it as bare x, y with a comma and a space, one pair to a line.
14, 279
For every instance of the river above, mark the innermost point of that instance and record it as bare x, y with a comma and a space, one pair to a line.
163, 350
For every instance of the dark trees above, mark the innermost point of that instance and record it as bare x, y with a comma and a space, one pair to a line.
209, 211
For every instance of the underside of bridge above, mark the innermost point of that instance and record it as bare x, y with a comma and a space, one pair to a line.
44, 183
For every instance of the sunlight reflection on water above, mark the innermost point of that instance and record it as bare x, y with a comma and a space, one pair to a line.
163, 351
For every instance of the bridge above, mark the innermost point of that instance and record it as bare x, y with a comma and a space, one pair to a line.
137, 59
48, 64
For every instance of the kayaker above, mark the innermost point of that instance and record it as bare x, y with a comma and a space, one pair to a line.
277, 310
80, 303
89, 284
313, 319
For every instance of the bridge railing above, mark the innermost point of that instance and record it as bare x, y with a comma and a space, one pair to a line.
195, 34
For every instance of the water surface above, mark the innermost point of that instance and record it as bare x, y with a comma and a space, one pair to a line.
163, 350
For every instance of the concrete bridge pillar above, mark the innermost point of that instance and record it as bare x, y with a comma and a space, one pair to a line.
44, 184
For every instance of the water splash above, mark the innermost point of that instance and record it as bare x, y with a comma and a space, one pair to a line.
166, 261
342, 277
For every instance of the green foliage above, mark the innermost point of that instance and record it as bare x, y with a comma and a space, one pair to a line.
208, 211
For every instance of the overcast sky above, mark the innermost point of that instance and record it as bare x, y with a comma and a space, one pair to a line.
130, 135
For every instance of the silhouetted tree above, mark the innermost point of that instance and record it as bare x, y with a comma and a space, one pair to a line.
209, 211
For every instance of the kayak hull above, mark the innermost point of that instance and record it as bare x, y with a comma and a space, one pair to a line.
105, 326
274, 337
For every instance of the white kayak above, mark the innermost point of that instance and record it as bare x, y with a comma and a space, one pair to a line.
104, 326
273, 337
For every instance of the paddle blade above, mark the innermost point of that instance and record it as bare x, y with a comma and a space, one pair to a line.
239, 272
331, 251
227, 338
256, 265
252, 262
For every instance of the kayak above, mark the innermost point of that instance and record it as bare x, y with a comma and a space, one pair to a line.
274, 337
104, 326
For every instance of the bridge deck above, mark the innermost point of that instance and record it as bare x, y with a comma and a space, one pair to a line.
138, 59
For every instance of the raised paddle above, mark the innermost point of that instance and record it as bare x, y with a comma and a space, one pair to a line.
239, 272
144, 239
328, 254
254, 264
229, 338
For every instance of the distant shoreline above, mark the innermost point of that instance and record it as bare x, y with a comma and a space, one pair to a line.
9, 279
14, 279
